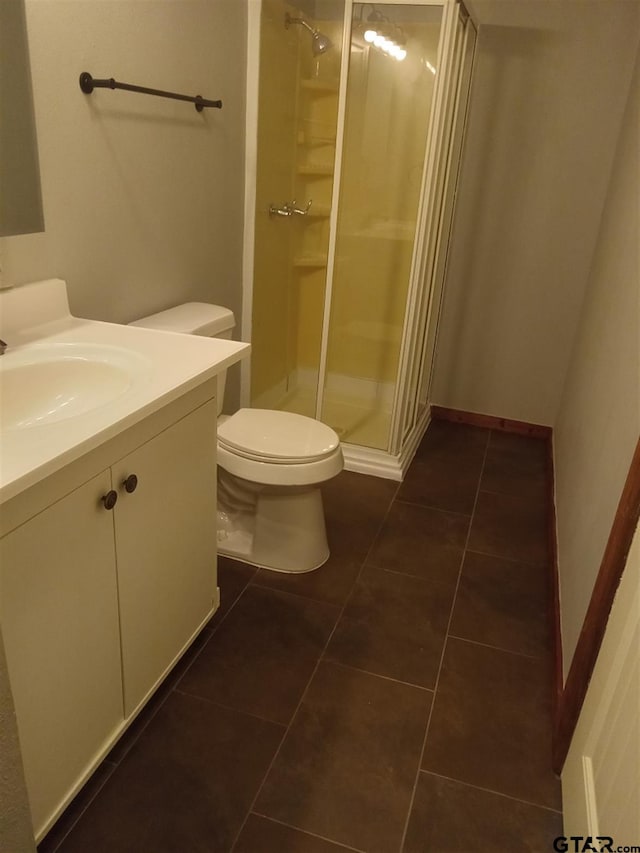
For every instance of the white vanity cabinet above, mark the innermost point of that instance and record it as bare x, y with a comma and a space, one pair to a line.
165, 534
97, 604
59, 611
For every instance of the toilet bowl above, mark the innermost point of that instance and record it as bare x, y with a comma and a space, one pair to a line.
270, 467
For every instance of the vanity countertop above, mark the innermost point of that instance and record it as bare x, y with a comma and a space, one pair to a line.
67, 385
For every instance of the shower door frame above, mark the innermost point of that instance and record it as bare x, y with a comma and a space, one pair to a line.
424, 300
254, 14
392, 462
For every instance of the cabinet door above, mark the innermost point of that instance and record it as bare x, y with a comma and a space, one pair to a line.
59, 616
166, 548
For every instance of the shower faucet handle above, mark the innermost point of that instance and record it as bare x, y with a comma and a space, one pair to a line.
284, 210
301, 211
289, 208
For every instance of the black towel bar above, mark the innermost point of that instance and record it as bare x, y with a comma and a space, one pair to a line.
89, 83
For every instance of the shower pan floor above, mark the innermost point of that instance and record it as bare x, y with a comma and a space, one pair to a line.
356, 421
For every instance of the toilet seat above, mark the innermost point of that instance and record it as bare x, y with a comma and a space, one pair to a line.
278, 448
270, 473
277, 438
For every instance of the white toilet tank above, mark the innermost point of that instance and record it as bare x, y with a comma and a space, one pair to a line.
195, 318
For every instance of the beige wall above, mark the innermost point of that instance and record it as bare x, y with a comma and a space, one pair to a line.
143, 197
549, 90
598, 424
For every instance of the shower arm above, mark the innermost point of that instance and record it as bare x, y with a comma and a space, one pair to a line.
288, 20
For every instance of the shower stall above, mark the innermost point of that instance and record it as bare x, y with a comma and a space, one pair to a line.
355, 123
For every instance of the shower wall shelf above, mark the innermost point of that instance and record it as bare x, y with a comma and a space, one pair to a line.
319, 169
89, 83
309, 139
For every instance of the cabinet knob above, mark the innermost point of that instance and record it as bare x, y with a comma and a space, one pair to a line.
110, 499
130, 484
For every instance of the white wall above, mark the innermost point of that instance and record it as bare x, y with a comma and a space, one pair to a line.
549, 90
608, 730
598, 424
143, 197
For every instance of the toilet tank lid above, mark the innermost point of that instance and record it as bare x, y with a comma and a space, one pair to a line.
193, 318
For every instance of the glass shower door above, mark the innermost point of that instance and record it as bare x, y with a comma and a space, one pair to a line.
300, 57
391, 81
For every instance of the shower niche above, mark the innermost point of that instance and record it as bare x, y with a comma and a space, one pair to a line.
355, 126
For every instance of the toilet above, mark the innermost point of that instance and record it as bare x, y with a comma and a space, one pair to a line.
270, 466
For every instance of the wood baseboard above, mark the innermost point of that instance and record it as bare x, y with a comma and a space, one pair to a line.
555, 624
441, 413
595, 622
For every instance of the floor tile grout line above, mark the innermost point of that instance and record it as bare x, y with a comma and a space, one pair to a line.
312, 676
174, 687
438, 583
239, 711
518, 497
357, 577
316, 599
496, 648
492, 791
444, 648
277, 591
282, 740
377, 675
224, 616
114, 767
212, 633
307, 832
145, 726
541, 565
432, 507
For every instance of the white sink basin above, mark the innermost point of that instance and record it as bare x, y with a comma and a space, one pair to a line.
69, 385
43, 385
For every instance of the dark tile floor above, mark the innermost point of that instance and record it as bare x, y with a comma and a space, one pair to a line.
395, 700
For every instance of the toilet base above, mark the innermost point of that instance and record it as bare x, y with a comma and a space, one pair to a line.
242, 556
273, 527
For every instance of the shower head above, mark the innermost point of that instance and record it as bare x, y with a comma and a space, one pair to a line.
320, 43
